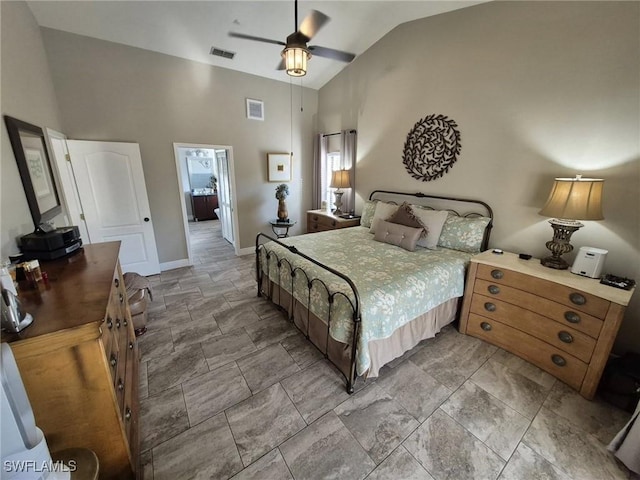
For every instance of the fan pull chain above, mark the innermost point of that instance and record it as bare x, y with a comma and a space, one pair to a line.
291, 113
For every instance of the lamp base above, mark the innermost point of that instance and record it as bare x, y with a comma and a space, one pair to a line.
559, 245
338, 203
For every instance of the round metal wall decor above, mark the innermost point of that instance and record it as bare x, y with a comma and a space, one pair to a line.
432, 147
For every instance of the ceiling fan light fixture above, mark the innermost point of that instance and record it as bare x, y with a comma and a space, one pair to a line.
295, 59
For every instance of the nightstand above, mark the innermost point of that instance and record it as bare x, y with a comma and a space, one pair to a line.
322, 220
563, 323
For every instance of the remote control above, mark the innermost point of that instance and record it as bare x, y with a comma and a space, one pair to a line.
618, 282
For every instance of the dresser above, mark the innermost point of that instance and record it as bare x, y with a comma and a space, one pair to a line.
321, 220
563, 323
79, 359
204, 206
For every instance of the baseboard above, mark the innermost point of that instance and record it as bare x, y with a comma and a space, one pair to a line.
175, 264
246, 251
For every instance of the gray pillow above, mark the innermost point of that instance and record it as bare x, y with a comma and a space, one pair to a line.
396, 234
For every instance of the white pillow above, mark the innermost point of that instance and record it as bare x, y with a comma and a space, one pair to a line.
383, 211
434, 221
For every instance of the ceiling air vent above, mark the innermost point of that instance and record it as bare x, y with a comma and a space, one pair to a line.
222, 53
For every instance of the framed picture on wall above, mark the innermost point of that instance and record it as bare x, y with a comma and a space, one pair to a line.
279, 167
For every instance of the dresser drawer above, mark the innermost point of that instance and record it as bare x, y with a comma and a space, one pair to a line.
556, 311
560, 336
577, 300
313, 227
558, 363
322, 220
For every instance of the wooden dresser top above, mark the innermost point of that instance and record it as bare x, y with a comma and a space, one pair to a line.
78, 292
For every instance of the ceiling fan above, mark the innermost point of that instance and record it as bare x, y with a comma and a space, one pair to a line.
296, 52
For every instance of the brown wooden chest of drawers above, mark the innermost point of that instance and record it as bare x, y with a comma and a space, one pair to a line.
79, 359
563, 323
321, 220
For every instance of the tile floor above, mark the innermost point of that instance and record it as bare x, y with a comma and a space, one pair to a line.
229, 389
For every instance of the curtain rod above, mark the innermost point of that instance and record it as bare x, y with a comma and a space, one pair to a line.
337, 133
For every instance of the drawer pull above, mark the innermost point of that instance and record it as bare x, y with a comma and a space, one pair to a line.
109, 323
572, 317
333, 223
130, 345
125, 323
490, 307
485, 326
494, 289
565, 337
113, 360
117, 282
577, 299
315, 218
127, 414
121, 298
117, 323
497, 274
120, 385
558, 360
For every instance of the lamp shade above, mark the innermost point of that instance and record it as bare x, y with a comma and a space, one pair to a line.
340, 179
575, 199
295, 61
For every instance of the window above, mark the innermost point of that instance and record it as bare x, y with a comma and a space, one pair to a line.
331, 163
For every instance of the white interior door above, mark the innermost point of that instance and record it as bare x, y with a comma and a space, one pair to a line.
111, 187
224, 195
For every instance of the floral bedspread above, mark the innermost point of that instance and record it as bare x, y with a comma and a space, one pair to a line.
394, 285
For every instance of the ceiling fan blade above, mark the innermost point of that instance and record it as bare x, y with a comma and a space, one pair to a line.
281, 65
313, 22
256, 39
331, 53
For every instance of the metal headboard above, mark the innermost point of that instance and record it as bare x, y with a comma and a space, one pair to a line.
463, 207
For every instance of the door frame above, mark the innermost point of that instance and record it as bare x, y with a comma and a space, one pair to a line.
232, 192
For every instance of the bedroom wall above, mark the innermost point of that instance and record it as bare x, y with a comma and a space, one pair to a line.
27, 94
108, 91
538, 89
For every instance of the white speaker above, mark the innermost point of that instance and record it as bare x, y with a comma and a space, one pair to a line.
589, 262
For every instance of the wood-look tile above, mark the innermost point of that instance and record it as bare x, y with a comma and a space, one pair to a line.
326, 449
234, 318
195, 280
446, 450
270, 330
204, 451
400, 465
146, 465
193, 332
183, 297
497, 425
376, 420
316, 390
143, 381
162, 416
269, 467
170, 370
525, 464
171, 315
213, 392
595, 416
219, 287
266, 367
206, 306
573, 450
419, 393
303, 352
176, 274
451, 357
517, 391
263, 422
226, 348
155, 344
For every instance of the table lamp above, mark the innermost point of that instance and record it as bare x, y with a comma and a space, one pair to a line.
339, 179
570, 200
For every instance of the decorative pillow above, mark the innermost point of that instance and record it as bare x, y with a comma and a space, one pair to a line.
433, 220
405, 216
383, 211
367, 213
463, 233
399, 235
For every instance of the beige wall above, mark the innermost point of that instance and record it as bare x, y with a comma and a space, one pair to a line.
108, 91
538, 89
27, 94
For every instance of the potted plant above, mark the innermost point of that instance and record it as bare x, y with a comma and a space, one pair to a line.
282, 191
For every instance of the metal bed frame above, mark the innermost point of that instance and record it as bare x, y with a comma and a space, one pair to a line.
261, 243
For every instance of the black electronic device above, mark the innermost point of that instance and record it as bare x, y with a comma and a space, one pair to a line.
618, 282
49, 246
524, 256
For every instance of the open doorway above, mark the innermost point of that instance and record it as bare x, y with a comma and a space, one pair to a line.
207, 190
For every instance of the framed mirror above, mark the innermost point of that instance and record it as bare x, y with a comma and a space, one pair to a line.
34, 165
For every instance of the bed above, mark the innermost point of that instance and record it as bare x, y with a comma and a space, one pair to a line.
363, 301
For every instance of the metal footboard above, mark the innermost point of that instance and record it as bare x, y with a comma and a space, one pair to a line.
281, 263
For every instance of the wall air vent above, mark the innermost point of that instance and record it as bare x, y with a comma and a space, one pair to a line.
218, 52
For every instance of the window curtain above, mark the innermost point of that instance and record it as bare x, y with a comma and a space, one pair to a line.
348, 141
319, 170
